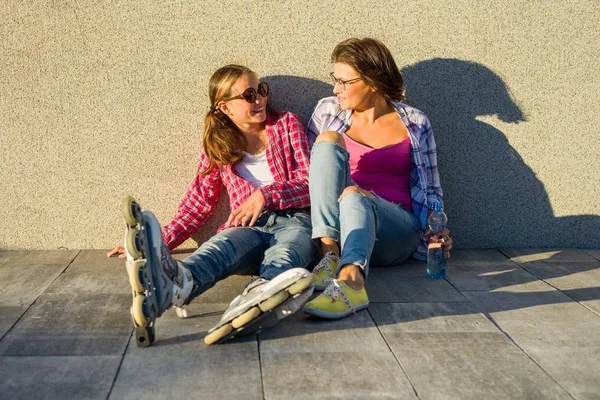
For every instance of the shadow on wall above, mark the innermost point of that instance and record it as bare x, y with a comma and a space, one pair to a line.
296, 94
492, 197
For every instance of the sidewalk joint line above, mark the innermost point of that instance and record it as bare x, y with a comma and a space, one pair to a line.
395, 357
36, 299
112, 385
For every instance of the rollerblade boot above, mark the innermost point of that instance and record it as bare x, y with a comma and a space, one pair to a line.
262, 304
157, 280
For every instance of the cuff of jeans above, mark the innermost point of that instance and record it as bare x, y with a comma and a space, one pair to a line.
326, 232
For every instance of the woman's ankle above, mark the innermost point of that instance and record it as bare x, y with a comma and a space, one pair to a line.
329, 245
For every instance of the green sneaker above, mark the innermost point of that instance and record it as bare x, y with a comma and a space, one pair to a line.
338, 300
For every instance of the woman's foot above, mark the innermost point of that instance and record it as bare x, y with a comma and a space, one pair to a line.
352, 275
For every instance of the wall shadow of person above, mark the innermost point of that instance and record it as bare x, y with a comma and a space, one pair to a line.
296, 94
492, 197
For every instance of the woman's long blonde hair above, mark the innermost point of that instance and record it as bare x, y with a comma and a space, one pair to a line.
222, 141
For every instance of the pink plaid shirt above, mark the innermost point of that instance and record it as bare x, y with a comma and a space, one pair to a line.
288, 158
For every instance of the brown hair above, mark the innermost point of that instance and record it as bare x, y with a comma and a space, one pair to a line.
374, 63
222, 141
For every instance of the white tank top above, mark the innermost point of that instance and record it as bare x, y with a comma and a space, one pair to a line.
254, 168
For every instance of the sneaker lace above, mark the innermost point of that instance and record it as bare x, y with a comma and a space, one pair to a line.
334, 290
325, 264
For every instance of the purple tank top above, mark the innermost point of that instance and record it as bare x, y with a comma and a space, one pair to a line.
384, 171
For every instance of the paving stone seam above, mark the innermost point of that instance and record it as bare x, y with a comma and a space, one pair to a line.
458, 290
491, 319
594, 311
36, 299
112, 385
412, 385
561, 291
260, 366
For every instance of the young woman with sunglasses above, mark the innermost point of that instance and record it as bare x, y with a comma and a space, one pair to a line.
373, 177
262, 160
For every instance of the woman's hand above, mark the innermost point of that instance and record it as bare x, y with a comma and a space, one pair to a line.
248, 212
443, 238
120, 250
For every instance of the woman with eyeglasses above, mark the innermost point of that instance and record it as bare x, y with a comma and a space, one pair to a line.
373, 177
261, 158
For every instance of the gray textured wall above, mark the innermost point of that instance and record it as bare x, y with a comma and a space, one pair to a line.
102, 99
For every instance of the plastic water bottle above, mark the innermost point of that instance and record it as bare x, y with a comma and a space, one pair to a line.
436, 258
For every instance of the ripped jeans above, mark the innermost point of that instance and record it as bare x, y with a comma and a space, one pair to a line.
278, 241
368, 229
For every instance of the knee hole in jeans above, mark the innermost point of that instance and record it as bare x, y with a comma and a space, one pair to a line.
331, 137
354, 190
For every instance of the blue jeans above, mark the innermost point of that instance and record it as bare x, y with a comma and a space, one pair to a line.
278, 241
369, 229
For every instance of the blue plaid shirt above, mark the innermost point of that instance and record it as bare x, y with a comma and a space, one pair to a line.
424, 177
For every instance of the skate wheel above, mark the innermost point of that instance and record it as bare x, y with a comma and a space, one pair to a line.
245, 317
131, 242
273, 301
218, 334
181, 312
144, 336
135, 272
137, 310
301, 285
130, 208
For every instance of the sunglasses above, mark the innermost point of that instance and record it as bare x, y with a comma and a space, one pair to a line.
251, 94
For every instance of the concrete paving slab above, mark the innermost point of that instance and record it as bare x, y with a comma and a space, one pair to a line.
535, 319
346, 375
87, 282
469, 365
8, 316
578, 280
523, 256
180, 365
389, 286
409, 268
303, 334
210, 373
574, 369
224, 291
487, 276
65, 325
57, 377
24, 258
430, 317
477, 257
173, 332
96, 261
27, 283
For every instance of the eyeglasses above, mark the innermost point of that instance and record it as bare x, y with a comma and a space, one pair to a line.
250, 94
343, 83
